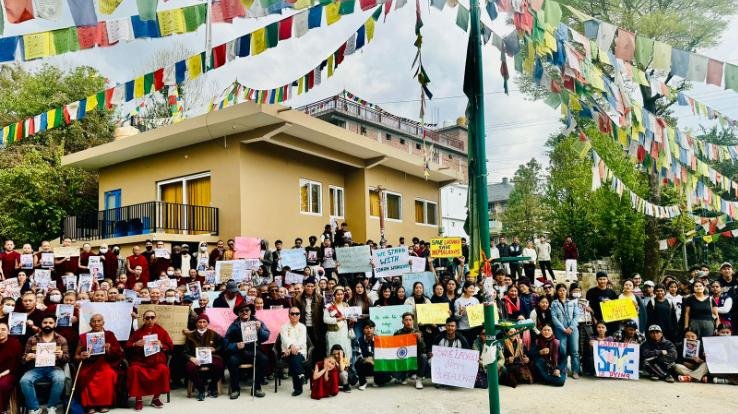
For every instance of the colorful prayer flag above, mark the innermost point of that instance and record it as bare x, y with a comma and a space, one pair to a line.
332, 13
18, 11
258, 41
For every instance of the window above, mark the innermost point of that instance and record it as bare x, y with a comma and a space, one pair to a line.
191, 190
388, 137
336, 199
426, 212
402, 141
392, 204
417, 146
338, 123
449, 156
362, 130
311, 197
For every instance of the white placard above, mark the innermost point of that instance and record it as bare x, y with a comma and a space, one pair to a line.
204, 355
720, 353
45, 354
293, 258
417, 264
117, 316
291, 278
454, 366
393, 261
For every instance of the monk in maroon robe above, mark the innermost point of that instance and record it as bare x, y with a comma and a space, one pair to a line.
10, 358
137, 259
98, 373
10, 260
148, 375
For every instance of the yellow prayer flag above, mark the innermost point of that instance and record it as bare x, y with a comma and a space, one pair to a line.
91, 103
171, 22
603, 57
138, 87
247, 3
37, 45
623, 137
369, 25
258, 41
329, 63
109, 6
50, 117
302, 4
300, 85
332, 12
194, 66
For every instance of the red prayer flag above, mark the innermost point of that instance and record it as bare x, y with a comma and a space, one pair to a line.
311, 79
625, 45
285, 28
231, 9
339, 53
102, 38
18, 11
65, 115
219, 55
367, 4
87, 36
714, 73
387, 8
31, 127
109, 97
158, 79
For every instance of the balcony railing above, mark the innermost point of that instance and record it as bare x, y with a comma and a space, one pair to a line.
380, 117
143, 218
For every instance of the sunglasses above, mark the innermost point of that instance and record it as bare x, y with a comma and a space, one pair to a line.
247, 310
149, 318
295, 313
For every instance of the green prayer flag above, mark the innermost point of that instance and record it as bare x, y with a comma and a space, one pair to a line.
326, 2
2, 22
661, 56
643, 51
101, 100
11, 134
194, 16
553, 100
272, 35
552, 11
268, 4
377, 13
347, 7
57, 122
462, 18
147, 9
731, 76
518, 62
148, 82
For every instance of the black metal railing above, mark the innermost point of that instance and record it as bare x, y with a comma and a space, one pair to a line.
143, 218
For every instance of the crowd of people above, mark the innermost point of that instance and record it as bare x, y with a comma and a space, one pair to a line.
321, 345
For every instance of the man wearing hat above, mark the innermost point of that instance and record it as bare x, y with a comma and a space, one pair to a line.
230, 297
201, 345
629, 334
239, 352
726, 279
658, 355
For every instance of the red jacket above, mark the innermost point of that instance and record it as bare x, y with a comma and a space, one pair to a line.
570, 251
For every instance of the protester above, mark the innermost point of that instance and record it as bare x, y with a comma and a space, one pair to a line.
692, 368
571, 255
549, 366
54, 373
324, 381
408, 328
460, 305
148, 373
517, 362
98, 372
658, 355
239, 352
10, 351
597, 295
699, 314
293, 336
662, 313
336, 323
565, 314
202, 373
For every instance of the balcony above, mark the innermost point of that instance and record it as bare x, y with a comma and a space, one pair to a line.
143, 218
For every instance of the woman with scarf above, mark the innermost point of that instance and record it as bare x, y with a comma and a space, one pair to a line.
549, 366
98, 373
541, 315
517, 362
198, 371
385, 296
336, 324
512, 305
360, 299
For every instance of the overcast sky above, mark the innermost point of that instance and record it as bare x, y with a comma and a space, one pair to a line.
517, 128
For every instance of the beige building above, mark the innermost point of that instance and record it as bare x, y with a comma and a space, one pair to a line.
254, 170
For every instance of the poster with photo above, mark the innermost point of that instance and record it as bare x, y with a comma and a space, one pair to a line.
64, 315
96, 343
151, 344
45, 354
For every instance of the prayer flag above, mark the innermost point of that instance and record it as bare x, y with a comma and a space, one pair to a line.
462, 18
144, 28
109, 6
697, 70
315, 15
243, 45
300, 24
625, 45
48, 9
138, 89
147, 9
195, 66
367, 4
679, 62
285, 28
258, 41
194, 16
171, 22
714, 72
65, 40
218, 56
661, 56
8, 46
438, 4
369, 25
87, 36
346, 7
17, 11
119, 30
272, 35
552, 13
332, 13
329, 64
731, 77
395, 353
360, 34
605, 35
83, 12
36, 45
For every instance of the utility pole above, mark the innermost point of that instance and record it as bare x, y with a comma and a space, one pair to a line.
380, 192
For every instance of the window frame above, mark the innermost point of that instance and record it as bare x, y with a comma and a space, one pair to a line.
425, 212
310, 183
183, 179
332, 188
384, 204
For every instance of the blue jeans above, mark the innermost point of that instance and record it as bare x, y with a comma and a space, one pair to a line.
569, 345
54, 374
543, 374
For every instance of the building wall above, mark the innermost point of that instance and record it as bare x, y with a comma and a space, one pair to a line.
453, 209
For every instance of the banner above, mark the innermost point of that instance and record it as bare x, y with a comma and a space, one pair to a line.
220, 319
70, 251
247, 247
720, 352
355, 259
172, 318
226, 270
295, 259
117, 317
274, 319
417, 264
388, 318
616, 359
446, 247
454, 366
433, 313
618, 310
291, 278
393, 261
428, 279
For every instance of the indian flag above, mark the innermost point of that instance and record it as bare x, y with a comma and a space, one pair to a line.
395, 353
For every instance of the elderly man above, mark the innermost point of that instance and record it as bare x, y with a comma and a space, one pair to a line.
53, 373
239, 352
204, 341
148, 373
294, 348
100, 355
230, 297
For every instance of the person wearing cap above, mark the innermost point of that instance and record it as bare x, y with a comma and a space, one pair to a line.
199, 372
726, 279
647, 292
230, 297
239, 352
597, 295
336, 323
661, 312
629, 334
658, 355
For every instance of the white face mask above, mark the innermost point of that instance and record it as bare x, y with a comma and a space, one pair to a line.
170, 273
55, 298
103, 250
203, 248
7, 309
576, 295
170, 300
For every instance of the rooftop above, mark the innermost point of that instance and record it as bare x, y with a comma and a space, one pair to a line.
497, 192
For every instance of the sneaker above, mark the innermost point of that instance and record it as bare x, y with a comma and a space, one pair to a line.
156, 403
139, 405
720, 381
418, 384
684, 378
234, 394
51, 410
259, 393
295, 393
404, 381
38, 411
362, 387
669, 379
213, 393
346, 388
200, 396
575, 375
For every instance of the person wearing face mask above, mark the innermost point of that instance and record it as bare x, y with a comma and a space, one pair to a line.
109, 261
54, 374
84, 258
10, 349
160, 261
201, 373
202, 258
185, 261
7, 308
149, 252
98, 374
170, 297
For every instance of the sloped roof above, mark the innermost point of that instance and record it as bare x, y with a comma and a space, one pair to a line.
497, 192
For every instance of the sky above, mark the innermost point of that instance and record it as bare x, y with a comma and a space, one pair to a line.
517, 127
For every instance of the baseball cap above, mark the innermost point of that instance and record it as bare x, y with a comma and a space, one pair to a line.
725, 264
232, 286
654, 328
632, 324
649, 283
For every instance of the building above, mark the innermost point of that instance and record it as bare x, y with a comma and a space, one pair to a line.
453, 210
497, 196
255, 170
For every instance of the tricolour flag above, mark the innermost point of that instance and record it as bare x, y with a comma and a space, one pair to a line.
395, 353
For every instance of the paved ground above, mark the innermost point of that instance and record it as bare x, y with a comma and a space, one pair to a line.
580, 396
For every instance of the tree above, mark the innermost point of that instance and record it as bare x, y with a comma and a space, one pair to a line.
523, 215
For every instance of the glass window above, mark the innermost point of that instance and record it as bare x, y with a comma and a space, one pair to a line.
336, 200
394, 206
374, 203
310, 197
426, 212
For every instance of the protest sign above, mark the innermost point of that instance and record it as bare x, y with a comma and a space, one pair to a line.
172, 318
356, 259
247, 247
388, 318
47, 260
273, 319
351, 312
151, 344
85, 282
226, 270
618, 310
94, 261
475, 313
204, 355
691, 348
291, 278
417, 264
45, 354
17, 322
393, 261
433, 313
64, 315
220, 319
428, 279
616, 359
96, 343
26, 261
720, 352
454, 366
117, 317
249, 332
161, 253
42, 277
446, 247
70, 251
293, 258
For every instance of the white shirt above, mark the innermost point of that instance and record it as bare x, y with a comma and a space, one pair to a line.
294, 335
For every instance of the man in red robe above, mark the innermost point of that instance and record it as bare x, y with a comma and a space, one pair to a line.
64, 265
10, 260
98, 373
10, 358
148, 375
110, 261
137, 259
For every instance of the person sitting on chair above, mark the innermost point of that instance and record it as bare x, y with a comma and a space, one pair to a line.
294, 348
10, 351
53, 373
239, 352
199, 372
98, 372
148, 373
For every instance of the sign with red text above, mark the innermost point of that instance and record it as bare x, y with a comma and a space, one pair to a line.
616, 360
454, 366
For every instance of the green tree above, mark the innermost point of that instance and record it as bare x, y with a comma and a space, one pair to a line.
524, 213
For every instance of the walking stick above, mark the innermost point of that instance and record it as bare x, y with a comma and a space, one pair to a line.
74, 386
253, 375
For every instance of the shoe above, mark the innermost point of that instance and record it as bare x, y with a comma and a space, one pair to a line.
575, 375
362, 387
346, 388
259, 393
104, 410
200, 396
418, 384
669, 379
156, 403
720, 381
235, 394
139, 405
51, 410
655, 378
295, 393
404, 381
684, 378
303, 378
213, 393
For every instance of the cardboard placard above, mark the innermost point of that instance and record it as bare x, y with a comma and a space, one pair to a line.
432, 313
445, 247
454, 366
618, 310
356, 259
172, 318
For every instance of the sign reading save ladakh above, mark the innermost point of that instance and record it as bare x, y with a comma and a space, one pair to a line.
446, 247
393, 261
616, 359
